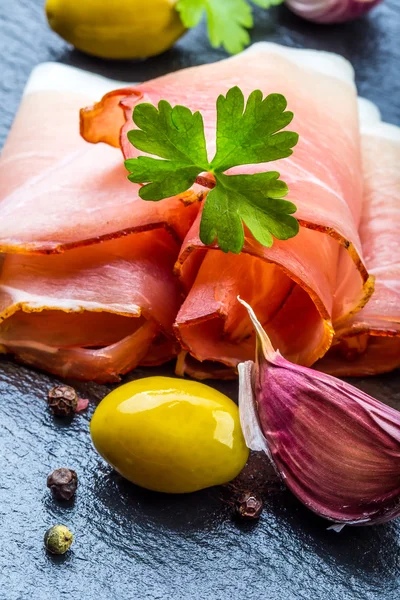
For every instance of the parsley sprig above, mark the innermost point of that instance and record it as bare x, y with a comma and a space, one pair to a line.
246, 134
228, 21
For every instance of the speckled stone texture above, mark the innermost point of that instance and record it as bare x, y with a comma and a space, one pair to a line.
138, 545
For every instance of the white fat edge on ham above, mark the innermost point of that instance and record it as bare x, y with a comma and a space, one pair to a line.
372, 126
371, 122
52, 76
386, 350
326, 63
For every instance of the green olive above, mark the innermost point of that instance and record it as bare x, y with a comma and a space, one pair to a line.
170, 435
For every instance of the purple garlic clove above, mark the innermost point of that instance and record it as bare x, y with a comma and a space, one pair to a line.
336, 448
331, 11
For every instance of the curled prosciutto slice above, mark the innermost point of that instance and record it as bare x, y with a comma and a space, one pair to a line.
324, 173
92, 312
288, 285
369, 342
296, 286
70, 193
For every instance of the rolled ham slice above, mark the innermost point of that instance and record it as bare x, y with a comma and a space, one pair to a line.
93, 312
211, 324
86, 283
80, 308
299, 288
70, 193
369, 342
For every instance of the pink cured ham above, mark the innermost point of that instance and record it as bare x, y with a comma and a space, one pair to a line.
70, 193
295, 310
94, 312
369, 342
324, 178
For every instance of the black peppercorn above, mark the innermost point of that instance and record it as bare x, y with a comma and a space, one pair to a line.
249, 506
63, 400
62, 483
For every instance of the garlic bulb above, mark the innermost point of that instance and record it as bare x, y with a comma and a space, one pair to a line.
331, 11
336, 448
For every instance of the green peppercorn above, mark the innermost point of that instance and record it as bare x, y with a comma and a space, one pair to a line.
58, 539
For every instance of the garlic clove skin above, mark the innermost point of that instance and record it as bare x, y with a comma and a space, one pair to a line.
335, 447
331, 11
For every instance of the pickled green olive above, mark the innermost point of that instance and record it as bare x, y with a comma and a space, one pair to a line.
170, 435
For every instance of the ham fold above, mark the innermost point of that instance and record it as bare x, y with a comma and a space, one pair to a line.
296, 287
369, 342
94, 281
69, 193
79, 297
93, 312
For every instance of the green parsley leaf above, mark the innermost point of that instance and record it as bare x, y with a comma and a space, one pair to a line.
221, 221
253, 199
246, 134
172, 133
169, 178
258, 198
175, 134
249, 135
227, 20
191, 11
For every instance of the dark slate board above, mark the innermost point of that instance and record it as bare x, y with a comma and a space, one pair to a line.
134, 544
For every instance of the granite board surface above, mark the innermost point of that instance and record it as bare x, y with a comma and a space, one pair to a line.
135, 545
